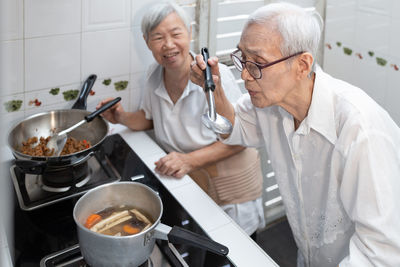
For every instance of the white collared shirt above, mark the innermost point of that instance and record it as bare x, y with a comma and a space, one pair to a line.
338, 173
178, 126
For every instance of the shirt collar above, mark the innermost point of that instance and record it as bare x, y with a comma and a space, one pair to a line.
156, 73
321, 115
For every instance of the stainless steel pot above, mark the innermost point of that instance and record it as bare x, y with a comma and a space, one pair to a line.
104, 250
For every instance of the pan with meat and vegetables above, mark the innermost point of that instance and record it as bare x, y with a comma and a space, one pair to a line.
47, 123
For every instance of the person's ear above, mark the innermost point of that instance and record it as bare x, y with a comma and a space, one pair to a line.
305, 61
190, 33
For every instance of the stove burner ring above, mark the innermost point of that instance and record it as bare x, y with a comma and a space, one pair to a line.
63, 189
66, 177
72, 257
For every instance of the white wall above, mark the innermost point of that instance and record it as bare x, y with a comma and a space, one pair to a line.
366, 26
49, 44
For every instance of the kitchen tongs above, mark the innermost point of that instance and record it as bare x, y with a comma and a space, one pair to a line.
211, 119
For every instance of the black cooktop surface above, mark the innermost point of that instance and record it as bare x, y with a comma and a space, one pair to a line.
49, 229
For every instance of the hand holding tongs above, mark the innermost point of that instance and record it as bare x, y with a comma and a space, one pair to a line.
211, 119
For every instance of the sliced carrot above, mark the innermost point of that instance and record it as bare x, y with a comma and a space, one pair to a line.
130, 229
92, 220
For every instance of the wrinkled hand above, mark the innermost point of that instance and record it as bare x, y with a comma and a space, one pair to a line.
199, 65
174, 164
114, 113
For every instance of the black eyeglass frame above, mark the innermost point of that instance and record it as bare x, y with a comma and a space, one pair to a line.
259, 66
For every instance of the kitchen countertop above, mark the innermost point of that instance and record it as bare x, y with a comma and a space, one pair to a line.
243, 251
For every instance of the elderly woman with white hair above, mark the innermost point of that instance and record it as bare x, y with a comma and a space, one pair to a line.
173, 106
334, 150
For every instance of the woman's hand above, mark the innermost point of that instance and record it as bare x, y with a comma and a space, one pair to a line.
174, 164
113, 114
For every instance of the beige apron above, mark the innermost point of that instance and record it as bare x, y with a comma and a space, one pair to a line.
236, 179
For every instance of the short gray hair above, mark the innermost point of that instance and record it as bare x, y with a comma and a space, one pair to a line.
299, 28
158, 13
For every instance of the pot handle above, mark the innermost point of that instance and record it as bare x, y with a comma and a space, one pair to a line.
32, 167
87, 86
179, 235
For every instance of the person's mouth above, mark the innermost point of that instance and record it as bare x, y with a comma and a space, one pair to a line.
171, 55
252, 93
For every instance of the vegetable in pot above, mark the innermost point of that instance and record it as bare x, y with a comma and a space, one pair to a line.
130, 229
118, 221
92, 220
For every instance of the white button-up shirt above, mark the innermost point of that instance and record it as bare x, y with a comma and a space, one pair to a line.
338, 173
178, 126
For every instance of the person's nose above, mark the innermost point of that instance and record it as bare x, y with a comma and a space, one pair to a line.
245, 75
168, 43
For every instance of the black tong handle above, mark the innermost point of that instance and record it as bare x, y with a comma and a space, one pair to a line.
209, 83
103, 108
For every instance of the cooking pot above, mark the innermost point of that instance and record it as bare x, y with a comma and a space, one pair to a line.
133, 250
46, 123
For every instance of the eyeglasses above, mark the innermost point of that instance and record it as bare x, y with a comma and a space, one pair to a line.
254, 68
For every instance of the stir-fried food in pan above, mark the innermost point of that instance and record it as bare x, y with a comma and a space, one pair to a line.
32, 148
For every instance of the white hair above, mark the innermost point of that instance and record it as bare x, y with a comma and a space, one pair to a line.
158, 13
299, 28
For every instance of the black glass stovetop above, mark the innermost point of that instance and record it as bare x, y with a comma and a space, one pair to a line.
43, 232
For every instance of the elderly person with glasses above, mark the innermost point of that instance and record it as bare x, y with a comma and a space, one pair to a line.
334, 150
172, 105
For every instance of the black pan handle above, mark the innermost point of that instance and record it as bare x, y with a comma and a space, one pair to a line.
86, 87
103, 108
32, 167
209, 83
179, 235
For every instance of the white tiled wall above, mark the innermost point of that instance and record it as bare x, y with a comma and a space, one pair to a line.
364, 26
49, 44
59, 17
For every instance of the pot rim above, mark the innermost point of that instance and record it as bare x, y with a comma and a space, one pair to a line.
151, 228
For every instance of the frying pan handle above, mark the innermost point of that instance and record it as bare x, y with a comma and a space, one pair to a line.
32, 167
179, 235
103, 108
209, 83
87, 86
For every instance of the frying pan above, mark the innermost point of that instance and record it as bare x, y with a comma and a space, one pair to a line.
46, 123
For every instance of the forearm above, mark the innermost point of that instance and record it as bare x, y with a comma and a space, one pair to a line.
211, 154
136, 121
223, 106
